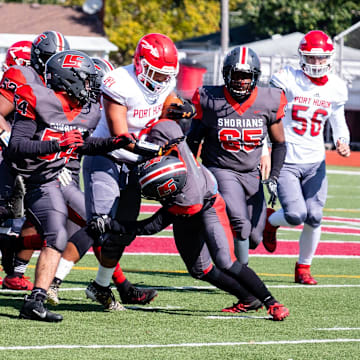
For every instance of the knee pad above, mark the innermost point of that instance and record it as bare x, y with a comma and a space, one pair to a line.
82, 240
235, 269
314, 218
295, 219
56, 241
111, 248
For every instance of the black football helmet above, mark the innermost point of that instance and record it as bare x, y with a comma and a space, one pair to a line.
241, 63
74, 72
44, 46
162, 177
102, 67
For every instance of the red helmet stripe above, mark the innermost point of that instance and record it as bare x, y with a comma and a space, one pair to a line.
108, 64
60, 40
243, 55
168, 169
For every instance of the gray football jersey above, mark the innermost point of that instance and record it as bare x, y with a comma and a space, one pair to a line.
53, 117
234, 133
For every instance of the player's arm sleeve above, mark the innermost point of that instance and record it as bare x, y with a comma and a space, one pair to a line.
97, 146
338, 124
149, 226
21, 144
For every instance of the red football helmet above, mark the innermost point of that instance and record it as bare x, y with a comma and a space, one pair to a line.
18, 54
316, 51
156, 62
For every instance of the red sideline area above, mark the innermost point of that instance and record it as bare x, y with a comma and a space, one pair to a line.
333, 158
166, 245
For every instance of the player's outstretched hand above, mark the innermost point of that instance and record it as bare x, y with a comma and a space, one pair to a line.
70, 140
271, 185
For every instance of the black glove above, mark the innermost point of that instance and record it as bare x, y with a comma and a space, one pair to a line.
99, 225
271, 185
178, 111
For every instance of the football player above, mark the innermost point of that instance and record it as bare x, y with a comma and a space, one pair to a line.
133, 98
191, 202
80, 242
314, 96
24, 64
51, 129
233, 121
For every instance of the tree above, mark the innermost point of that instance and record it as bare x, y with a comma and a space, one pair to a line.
284, 16
126, 21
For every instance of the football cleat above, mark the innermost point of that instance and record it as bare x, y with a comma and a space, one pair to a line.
35, 310
269, 233
104, 296
278, 312
244, 307
303, 275
17, 283
137, 296
53, 293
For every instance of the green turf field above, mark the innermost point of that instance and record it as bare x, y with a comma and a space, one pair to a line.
185, 321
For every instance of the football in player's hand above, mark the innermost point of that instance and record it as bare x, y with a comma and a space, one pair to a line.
170, 103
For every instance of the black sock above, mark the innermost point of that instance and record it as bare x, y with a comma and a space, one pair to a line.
38, 294
248, 278
124, 287
227, 283
57, 281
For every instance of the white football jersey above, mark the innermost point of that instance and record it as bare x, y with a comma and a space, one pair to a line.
309, 107
123, 86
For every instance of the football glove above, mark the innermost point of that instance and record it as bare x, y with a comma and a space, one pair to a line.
181, 111
121, 141
71, 140
99, 225
271, 184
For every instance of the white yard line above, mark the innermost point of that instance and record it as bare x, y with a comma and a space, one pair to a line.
337, 329
186, 288
183, 345
342, 172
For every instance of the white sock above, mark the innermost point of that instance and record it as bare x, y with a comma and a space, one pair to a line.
104, 275
63, 268
309, 240
278, 219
